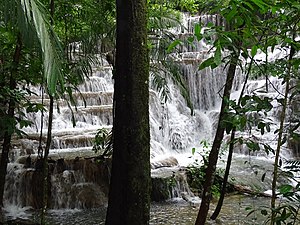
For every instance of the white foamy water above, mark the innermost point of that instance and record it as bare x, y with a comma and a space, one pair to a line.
174, 131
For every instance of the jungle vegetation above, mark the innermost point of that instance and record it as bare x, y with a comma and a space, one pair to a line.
54, 45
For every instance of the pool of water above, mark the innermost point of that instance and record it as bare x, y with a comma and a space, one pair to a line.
176, 211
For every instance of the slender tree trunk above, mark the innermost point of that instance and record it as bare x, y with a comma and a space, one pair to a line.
48, 144
280, 136
226, 175
129, 195
45, 184
10, 113
230, 154
214, 153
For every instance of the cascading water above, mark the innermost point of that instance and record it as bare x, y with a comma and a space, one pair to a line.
174, 131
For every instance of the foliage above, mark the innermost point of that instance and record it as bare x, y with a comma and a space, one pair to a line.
29, 18
103, 142
162, 41
196, 172
196, 177
15, 30
252, 27
287, 210
191, 6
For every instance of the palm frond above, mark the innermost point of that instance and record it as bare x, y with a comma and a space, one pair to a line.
161, 20
159, 82
179, 81
33, 18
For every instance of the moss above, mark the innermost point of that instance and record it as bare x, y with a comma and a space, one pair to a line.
161, 188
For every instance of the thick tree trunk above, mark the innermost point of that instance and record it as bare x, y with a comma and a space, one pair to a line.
214, 153
10, 127
129, 195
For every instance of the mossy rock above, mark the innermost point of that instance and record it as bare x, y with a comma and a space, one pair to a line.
161, 188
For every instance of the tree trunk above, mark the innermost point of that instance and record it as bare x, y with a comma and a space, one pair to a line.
129, 195
230, 153
280, 135
48, 143
214, 153
10, 114
226, 175
45, 163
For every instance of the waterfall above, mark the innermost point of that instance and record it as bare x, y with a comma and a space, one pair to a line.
174, 131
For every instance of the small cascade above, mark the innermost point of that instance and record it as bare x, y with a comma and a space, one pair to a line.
18, 191
83, 185
170, 182
79, 183
182, 190
93, 111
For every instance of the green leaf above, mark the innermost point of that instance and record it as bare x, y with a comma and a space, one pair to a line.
173, 45
231, 14
280, 162
253, 145
218, 55
248, 4
206, 63
34, 14
193, 150
191, 39
198, 32
268, 127
284, 189
261, 126
254, 50
261, 4
228, 127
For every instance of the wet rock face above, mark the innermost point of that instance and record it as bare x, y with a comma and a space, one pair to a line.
82, 183
161, 188
167, 162
88, 195
74, 183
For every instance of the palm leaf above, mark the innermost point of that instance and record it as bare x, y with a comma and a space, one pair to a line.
29, 18
161, 67
35, 17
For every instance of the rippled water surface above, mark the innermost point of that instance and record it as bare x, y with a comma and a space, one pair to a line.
234, 212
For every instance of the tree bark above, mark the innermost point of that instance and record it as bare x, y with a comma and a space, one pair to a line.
45, 184
10, 114
280, 135
129, 195
226, 175
45, 177
230, 153
214, 153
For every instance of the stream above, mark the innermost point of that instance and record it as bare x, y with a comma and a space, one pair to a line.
171, 212
174, 133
